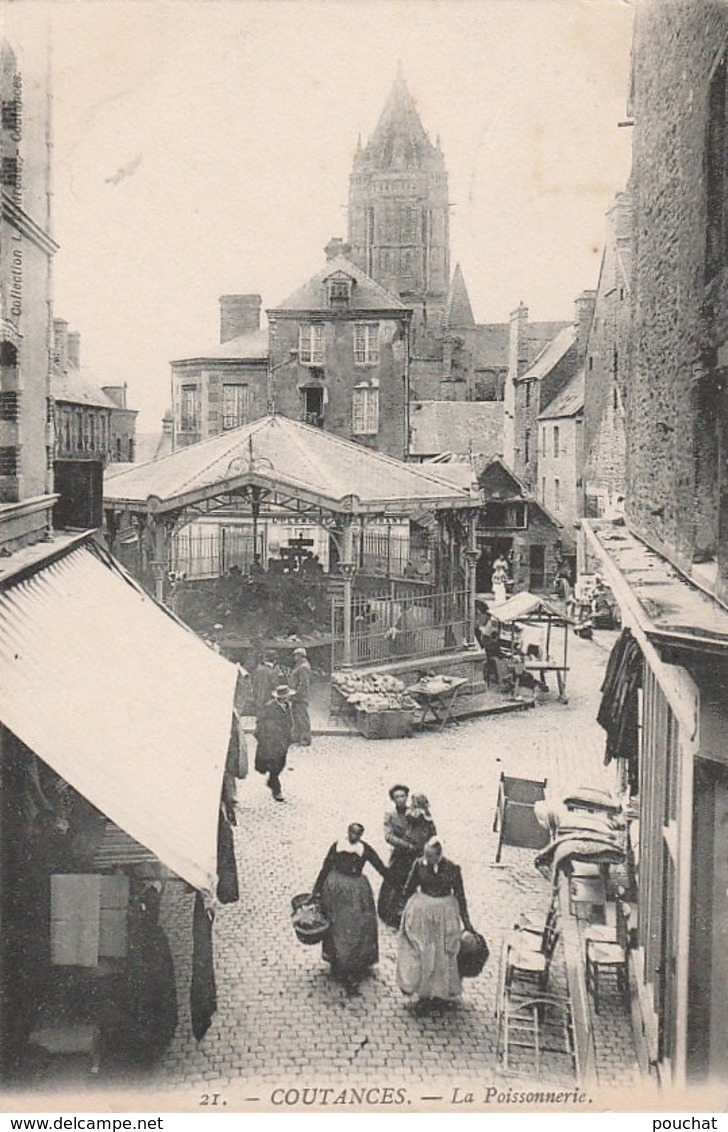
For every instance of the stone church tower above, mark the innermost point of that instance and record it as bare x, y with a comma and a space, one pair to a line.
399, 223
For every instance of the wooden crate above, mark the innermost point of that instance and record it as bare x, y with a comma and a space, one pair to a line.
393, 724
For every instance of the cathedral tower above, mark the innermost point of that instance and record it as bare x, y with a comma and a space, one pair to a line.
399, 223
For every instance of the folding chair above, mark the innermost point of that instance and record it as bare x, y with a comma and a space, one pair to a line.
515, 819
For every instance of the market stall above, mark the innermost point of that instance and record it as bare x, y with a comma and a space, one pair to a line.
535, 635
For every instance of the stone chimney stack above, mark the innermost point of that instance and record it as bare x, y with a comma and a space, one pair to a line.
73, 349
336, 247
518, 342
583, 315
117, 393
168, 423
60, 344
239, 314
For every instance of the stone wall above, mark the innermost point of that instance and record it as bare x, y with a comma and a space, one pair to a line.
677, 410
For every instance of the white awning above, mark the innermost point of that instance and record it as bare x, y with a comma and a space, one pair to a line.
123, 702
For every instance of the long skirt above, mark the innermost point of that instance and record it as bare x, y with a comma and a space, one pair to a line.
351, 944
429, 941
390, 904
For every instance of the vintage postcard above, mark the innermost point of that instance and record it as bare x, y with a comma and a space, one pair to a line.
363, 601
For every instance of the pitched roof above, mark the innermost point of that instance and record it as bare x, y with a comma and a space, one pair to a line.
458, 311
285, 455
365, 293
399, 140
251, 346
456, 427
569, 401
551, 354
78, 388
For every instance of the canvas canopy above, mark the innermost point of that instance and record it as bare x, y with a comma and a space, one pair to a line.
525, 605
122, 701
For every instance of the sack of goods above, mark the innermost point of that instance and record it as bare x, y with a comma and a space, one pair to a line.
309, 922
472, 956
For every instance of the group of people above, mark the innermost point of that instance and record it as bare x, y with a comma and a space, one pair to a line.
282, 715
422, 896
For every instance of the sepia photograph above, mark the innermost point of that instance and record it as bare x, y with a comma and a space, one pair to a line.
364, 556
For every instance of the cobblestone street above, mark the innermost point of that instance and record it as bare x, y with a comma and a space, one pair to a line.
281, 1019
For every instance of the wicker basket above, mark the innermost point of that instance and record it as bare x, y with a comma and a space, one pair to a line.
309, 922
472, 956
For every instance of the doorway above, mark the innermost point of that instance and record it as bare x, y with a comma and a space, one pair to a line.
536, 567
490, 549
312, 406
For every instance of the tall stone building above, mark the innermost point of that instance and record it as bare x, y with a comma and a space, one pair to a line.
608, 366
26, 250
399, 222
666, 560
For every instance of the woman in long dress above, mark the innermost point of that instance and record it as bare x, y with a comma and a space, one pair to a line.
351, 944
429, 938
406, 828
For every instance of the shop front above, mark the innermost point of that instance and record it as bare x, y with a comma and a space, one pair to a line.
115, 726
671, 721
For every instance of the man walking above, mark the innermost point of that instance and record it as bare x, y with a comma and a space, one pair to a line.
301, 697
274, 731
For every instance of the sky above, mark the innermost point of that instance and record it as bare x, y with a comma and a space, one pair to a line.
204, 148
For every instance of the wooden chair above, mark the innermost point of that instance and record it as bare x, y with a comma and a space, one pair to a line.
607, 959
528, 957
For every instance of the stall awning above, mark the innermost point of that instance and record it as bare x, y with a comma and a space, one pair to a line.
122, 701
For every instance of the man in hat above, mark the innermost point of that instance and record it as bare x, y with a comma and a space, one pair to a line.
301, 696
266, 679
274, 731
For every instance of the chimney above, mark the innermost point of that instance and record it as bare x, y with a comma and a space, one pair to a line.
73, 349
168, 423
60, 344
336, 247
117, 393
583, 315
239, 314
518, 342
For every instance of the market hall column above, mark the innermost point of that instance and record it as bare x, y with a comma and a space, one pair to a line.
472, 554
158, 534
348, 565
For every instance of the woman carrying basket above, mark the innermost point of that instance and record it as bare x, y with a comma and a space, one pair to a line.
351, 943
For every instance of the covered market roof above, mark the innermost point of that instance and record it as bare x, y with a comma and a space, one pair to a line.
287, 459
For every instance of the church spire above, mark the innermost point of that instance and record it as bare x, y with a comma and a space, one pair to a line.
399, 139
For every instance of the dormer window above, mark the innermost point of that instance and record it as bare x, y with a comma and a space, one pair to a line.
338, 291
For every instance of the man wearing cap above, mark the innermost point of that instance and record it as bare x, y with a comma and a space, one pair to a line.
266, 678
301, 695
273, 732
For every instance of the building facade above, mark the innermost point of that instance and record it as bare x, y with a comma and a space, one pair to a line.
91, 422
666, 560
339, 356
561, 455
608, 366
526, 342
531, 388
26, 250
224, 386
